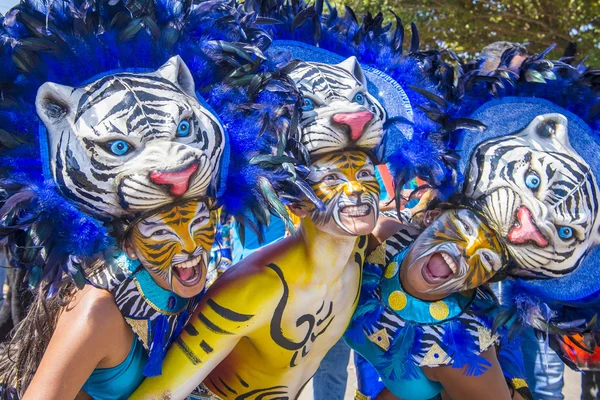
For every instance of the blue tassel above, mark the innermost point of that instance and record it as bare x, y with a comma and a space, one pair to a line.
369, 312
459, 344
158, 348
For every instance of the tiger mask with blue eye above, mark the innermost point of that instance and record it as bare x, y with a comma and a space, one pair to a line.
539, 195
338, 112
132, 142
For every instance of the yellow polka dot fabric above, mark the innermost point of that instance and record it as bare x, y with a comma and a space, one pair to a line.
397, 300
391, 270
439, 310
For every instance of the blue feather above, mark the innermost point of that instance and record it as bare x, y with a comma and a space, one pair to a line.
397, 362
158, 347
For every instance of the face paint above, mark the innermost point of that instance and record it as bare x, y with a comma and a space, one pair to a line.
174, 246
347, 185
456, 252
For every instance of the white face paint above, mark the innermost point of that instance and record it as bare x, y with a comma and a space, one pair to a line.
128, 143
347, 185
456, 252
538, 194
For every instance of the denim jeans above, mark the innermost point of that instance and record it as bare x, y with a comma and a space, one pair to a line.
329, 383
543, 367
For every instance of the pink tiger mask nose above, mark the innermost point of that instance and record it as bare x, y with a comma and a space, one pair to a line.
178, 181
356, 121
526, 230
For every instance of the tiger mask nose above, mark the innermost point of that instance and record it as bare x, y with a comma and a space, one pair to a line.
356, 121
177, 181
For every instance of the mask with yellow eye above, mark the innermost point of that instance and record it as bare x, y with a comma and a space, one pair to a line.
174, 246
346, 184
457, 252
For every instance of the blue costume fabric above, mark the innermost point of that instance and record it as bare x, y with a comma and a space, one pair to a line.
399, 334
119, 382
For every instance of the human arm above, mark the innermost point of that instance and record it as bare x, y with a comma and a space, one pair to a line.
239, 300
491, 385
90, 333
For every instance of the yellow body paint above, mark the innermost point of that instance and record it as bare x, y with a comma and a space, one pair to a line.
263, 328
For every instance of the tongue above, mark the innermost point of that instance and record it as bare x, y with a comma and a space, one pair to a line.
438, 267
184, 273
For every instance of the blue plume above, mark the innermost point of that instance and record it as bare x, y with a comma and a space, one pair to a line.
397, 362
70, 42
460, 347
158, 347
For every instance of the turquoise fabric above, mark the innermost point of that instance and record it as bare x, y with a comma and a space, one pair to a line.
420, 388
161, 299
381, 289
417, 310
119, 382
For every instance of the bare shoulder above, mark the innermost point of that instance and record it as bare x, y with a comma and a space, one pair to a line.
91, 312
254, 283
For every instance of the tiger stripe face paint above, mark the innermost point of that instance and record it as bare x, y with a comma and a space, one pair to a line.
347, 185
456, 252
174, 246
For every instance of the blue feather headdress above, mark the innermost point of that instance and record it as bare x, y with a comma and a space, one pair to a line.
412, 84
554, 105
72, 42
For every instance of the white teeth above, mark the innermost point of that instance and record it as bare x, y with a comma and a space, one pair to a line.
356, 211
188, 264
450, 261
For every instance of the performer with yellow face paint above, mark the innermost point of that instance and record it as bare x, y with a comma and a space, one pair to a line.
418, 311
264, 326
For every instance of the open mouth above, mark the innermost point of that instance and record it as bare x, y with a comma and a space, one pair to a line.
359, 210
439, 268
189, 273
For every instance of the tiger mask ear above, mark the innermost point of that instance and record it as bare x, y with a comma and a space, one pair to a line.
352, 65
177, 72
54, 105
553, 127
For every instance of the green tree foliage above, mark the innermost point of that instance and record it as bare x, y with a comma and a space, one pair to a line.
468, 25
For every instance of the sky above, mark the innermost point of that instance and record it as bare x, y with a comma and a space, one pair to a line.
5, 5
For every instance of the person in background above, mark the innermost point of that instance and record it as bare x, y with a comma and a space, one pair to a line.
543, 367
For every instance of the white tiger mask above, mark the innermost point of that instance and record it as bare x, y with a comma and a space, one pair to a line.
338, 112
539, 194
127, 143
